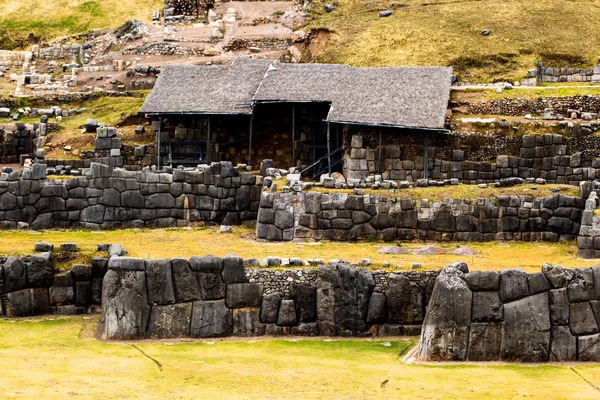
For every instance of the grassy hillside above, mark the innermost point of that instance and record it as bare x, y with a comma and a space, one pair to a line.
448, 32
24, 21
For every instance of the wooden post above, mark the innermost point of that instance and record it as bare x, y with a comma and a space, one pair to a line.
426, 157
379, 155
329, 147
209, 144
250, 142
293, 135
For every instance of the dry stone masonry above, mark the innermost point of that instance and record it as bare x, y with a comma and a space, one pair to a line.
509, 315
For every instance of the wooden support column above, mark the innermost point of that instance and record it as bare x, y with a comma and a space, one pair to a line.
250, 141
293, 135
379, 155
158, 141
426, 157
209, 143
329, 147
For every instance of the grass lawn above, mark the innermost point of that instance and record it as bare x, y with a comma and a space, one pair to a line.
449, 33
22, 21
58, 358
166, 243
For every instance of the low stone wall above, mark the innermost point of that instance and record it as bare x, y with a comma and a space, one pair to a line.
519, 107
215, 297
14, 58
513, 316
588, 241
56, 51
545, 74
540, 156
105, 197
30, 287
317, 216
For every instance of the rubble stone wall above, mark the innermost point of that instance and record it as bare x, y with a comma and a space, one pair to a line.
510, 315
105, 197
519, 107
317, 216
214, 297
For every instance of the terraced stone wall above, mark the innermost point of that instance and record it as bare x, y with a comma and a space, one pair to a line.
553, 315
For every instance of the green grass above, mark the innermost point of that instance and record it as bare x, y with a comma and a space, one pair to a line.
22, 22
167, 243
447, 33
58, 358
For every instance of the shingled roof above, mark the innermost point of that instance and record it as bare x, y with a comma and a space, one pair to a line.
183, 89
412, 97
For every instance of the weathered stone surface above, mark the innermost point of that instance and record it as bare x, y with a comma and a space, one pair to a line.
246, 322
83, 293
185, 285
513, 285
270, 308
557, 276
211, 286
233, 269
487, 307
125, 305
15, 274
588, 348
287, 313
305, 299
17, 304
376, 311
243, 295
563, 346
82, 272
306, 329
537, 283
581, 319
581, 287
159, 279
405, 301
445, 332
207, 264
211, 319
559, 306
483, 280
526, 329
39, 270
343, 293
169, 321
484, 342
62, 295
126, 264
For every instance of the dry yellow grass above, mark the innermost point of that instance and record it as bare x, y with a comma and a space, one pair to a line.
166, 243
449, 33
58, 358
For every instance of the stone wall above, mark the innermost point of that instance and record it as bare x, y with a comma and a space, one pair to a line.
14, 141
57, 51
519, 107
588, 241
512, 316
544, 74
214, 297
338, 216
540, 156
107, 197
14, 59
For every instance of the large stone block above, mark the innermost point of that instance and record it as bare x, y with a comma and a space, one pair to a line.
537, 283
581, 319
185, 285
83, 293
557, 276
343, 294
305, 299
125, 305
246, 322
445, 333
485, 341
563, 345
287, 313
487, 307
169, 321
483, 280
207, 264
376, 311
39, 270
588, 348
270, 308
233, 269
159, 279
211, 286
581, 287
513, 285
211, 319
26, 302
243, 295
405, 301
15, 274
526, 329
126, 264
559, 306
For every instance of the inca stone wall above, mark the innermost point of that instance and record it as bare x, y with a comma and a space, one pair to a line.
519, 107
107, 197
15, 141
540, 157
544, 74
588, 241
215, 297
553, 315
338, 216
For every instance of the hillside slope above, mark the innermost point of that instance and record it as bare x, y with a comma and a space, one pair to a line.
448, 32
22, 22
